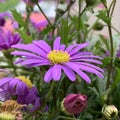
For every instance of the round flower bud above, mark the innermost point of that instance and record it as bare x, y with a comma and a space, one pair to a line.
109, 111
98, 26
73, 104
90, 2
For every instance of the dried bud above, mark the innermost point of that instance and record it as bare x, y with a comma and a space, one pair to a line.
11, 110
109, 111
74, 104
10, 106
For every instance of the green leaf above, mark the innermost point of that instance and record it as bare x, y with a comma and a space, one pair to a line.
103, 16
26, 38
18, 17
116, 79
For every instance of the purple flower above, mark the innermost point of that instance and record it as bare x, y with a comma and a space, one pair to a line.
74, 103
20, 88
71, 59
7, 39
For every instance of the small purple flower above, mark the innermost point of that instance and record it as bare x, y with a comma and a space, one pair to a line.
69, 59
7, 39
74, 104
20, 88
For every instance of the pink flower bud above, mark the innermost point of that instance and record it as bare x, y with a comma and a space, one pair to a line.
74, 103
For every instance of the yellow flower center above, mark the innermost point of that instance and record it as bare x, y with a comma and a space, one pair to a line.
26, 81
58, 56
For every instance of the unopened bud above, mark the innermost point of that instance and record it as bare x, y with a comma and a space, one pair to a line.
73, 104
110, 112
90, 2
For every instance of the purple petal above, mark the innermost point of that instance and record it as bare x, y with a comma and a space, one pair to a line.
62, 47
56, 72
80, 46
37, 64
32, 61
36, 105
70, 74
56, 44
69, 48
79, 72
43, 45
20, 88
90, 65
4, 81
87, 60
48, 75
28, 54
91, 70
31, 48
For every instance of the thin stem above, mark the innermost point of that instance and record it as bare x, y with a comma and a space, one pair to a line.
111, 52
112, 7
48, 95
44, 15
114, 29
79, 17
67, 118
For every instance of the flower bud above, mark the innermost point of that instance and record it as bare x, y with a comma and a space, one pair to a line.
90, 2
73, 104
98, 26
109, 111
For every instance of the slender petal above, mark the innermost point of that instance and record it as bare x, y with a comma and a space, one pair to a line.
48, 75
70, 74
56, 72
56, 45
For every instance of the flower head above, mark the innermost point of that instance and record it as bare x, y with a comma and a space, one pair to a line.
21, 89
109, 111
74, 103
71, 59
7, 39
11, 110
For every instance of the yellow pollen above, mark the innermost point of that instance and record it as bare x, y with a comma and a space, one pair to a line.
26, 81
58, 56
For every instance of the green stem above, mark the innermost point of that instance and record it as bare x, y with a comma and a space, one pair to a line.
44, 15
14, 67
79, 17
28, 9
48, 95
111, 52
112, 7
67, 118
